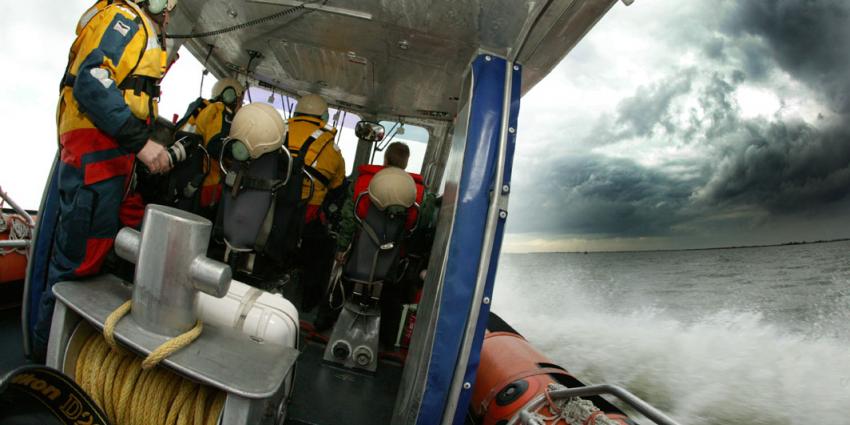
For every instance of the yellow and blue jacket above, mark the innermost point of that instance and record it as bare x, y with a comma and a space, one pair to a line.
110, 89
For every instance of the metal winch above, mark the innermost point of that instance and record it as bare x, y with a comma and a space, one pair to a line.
172, 272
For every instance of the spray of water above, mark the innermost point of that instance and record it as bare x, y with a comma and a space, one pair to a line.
726, 368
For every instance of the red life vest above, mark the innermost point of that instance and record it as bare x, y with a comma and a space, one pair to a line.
364, 176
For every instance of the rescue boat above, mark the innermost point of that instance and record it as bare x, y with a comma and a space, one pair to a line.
187, 338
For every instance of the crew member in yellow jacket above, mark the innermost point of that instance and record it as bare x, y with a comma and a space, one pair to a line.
199, 183
108, 103
324, 163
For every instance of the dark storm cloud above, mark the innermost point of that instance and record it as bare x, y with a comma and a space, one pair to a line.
759, 164
809, 39
592, 194
783, 167
644, 113
787, 165
755, 170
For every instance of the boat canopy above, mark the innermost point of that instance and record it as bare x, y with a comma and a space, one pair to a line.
379, 58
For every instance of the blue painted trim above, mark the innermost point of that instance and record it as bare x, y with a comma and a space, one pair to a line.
475, 353
48, 217
467, 238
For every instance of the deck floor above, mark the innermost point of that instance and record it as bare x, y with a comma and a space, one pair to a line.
11, 342
329, 395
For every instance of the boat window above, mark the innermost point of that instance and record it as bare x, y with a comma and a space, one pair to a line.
415, 137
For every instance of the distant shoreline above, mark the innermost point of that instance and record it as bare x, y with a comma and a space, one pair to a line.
688, 249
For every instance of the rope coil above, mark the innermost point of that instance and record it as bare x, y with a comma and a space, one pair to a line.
18, 230
572, 411
160, 353
133, 391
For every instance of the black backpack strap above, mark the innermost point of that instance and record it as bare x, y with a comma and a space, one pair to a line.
305, 149
193, 110
317, 175
251, 182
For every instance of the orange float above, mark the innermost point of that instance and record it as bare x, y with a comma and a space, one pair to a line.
511, 373
13, 263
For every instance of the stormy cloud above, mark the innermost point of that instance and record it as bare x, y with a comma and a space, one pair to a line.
744, 124
807, 39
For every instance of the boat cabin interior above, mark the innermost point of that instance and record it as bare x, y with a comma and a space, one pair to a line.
451, 72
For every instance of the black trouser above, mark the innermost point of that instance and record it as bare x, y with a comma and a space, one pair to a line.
316, 259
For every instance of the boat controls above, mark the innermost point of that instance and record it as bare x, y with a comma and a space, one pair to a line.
171, 268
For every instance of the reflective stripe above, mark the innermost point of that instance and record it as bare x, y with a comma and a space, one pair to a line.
86, 18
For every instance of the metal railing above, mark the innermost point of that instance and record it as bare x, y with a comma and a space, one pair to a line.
16, 243
641, 406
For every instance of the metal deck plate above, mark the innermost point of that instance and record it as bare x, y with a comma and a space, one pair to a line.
223, 358
328, 395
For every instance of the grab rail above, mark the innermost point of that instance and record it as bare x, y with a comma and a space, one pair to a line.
22, 212
632, 400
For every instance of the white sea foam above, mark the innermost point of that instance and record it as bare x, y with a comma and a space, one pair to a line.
726, 367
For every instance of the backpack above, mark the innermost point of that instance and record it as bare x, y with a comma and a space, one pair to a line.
262, 206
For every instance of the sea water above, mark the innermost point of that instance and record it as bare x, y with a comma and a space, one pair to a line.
745, 336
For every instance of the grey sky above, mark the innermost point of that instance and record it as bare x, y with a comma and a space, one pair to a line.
672, 124
690, 124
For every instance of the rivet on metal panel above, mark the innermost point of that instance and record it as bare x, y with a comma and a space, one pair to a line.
511, 130
488, 58
506, 188
467, 385
486, 300
503, 214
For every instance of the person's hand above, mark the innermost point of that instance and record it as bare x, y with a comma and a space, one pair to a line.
155, 157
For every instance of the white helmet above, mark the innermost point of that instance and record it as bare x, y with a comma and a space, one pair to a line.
392, 186
220, 89
312, 104
158, 6
257, 129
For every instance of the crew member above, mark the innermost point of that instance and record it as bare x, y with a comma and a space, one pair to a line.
324, 163
396, 155
206, 122
108, 102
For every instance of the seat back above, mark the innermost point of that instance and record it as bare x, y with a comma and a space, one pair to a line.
377, 243
244, 210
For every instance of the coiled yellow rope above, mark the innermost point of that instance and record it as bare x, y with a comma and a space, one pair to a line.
133, 391
166, 349
131, 395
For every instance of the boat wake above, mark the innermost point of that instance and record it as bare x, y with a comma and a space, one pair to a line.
726, 368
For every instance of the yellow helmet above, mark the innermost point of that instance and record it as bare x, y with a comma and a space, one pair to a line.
220, 89
312, 104
256, 129
392, 186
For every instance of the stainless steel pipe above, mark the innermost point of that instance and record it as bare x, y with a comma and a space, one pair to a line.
171, 266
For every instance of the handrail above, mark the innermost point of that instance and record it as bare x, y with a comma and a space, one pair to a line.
632, 400
22, 212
